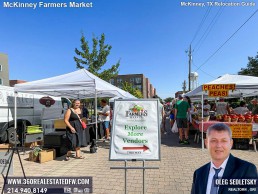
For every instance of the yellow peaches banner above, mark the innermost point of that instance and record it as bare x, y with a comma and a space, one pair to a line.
218, 90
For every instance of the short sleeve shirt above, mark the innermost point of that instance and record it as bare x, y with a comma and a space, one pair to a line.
106, 109
207, 112
182, 107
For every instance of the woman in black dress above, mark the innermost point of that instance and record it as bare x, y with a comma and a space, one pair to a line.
74, 130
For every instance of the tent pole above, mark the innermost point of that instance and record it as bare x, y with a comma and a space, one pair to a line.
202, 123
96, 116
15, 114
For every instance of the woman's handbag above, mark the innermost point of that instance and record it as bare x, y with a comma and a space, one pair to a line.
84, 126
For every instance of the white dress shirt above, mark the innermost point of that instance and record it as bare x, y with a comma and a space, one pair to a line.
212, 173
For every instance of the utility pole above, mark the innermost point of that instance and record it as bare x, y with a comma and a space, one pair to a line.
190, 61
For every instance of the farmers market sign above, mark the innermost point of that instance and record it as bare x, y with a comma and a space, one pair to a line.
218, 90
136, 130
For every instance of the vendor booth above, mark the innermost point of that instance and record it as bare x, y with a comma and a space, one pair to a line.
227, 86
79, 84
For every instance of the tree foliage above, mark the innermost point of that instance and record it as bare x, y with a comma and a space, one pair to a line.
252, 67
169, 99
96, 57
134, 91
160, 99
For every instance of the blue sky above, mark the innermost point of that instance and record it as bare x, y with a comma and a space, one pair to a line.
149, 36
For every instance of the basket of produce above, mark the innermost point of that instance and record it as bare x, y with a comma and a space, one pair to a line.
205, 119
256, 118
219, 117
249, 118
234, 118
226, 118
241, 118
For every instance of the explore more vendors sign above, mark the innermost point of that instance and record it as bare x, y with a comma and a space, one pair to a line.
218, 90
136, 130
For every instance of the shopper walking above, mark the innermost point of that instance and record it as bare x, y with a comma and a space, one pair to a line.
181, 109
74, 130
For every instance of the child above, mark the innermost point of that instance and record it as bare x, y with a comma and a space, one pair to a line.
172, 117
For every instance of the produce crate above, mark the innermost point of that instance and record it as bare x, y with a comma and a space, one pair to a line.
32, 157
47, 155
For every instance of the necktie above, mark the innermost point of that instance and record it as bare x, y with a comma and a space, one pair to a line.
214, 188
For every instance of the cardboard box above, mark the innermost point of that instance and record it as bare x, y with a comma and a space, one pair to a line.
6, 145
47, 155
60, 124
32, 157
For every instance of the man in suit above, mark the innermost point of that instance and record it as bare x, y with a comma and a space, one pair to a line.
223, 164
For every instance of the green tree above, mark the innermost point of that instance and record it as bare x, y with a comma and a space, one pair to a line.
96, 57
134, 91
252, 67
160, 99
169, 99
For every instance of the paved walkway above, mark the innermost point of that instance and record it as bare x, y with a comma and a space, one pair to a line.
174, 176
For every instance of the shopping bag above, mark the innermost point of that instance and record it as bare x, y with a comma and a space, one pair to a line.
174, 129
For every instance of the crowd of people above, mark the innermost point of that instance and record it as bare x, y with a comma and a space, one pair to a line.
180, 115
181, 110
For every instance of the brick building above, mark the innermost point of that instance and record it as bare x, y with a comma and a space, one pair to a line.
138, 81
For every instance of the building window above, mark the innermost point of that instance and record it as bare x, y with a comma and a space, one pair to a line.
1, 68
138, 80
119, 80
112, 81
1, 81
132, 79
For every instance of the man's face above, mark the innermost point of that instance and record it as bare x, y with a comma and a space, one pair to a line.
254, 102
219, 144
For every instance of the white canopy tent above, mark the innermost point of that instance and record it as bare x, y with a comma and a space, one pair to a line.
78, 84
245, 86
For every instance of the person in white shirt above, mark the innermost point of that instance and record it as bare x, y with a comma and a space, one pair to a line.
105, 117
221, 107
242, 109
206, 108
219, 143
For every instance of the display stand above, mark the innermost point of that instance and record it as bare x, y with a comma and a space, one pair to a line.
143, 167
15, 146
10, 163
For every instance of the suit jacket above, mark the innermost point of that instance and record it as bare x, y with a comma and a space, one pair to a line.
235, 168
